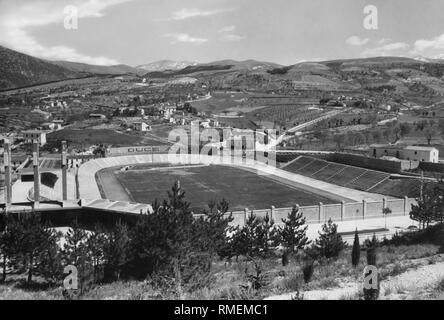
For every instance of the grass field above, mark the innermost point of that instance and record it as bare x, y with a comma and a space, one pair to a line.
242, 189
87, 137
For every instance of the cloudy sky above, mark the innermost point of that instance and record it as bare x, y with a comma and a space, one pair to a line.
136, 32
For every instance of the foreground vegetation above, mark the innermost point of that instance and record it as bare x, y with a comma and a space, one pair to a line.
172, 255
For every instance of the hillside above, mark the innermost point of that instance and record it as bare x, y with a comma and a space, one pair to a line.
87, 68
388, 79
19, 70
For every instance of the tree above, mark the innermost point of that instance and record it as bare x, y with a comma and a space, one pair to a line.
163, 239
212, 228
75, 252
405, 129
430, 133
387, 133
356, 250
377, 136
430, 206
441, 126
51, 266
340, 140
386, 212
329, 244
116, 250
35, 242
293, 236
371, 247
243, 241
9, 241
97, 244
266, 236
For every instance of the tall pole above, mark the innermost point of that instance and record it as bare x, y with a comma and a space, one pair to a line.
64, 173
35, 156
8, 180
422, 185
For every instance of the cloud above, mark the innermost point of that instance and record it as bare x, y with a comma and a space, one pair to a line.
423, 45
384, 41
232, 37
356, 41
19, 18
184, 14
228, 35
227, 29
387, 49
184, 38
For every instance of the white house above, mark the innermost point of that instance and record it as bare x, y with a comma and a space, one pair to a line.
35, 135
411, 153
141, 127
424, 154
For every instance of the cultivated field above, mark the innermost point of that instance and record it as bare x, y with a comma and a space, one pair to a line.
88, 137
242, 189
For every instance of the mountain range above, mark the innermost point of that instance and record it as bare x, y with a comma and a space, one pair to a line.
163, 65
393, 77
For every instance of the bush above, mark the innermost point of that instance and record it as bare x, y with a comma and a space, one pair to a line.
307, 270
431, 235
256, 238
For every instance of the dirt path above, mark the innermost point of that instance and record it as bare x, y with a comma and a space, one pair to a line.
422, 277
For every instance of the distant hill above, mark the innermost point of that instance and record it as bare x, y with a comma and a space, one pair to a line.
164, 65
222, 65
87, 68
19, 70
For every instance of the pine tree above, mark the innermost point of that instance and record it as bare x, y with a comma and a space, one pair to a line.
329, 243
75, 252
356, 251
165, 236
34, 240
97, 243
266, 236
9, 241
293, 235
116, 251
429, 207
210, 231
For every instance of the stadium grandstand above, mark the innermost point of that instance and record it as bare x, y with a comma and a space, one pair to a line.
352, 177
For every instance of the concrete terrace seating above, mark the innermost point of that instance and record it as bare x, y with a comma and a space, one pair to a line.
369, 180
314, 167
347, 176
339, 174
331, 170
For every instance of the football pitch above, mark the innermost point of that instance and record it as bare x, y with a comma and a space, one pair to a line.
241, 188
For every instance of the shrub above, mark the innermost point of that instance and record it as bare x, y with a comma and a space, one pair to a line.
371, 246
307, 270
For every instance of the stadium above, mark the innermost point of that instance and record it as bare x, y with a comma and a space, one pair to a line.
128, 185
